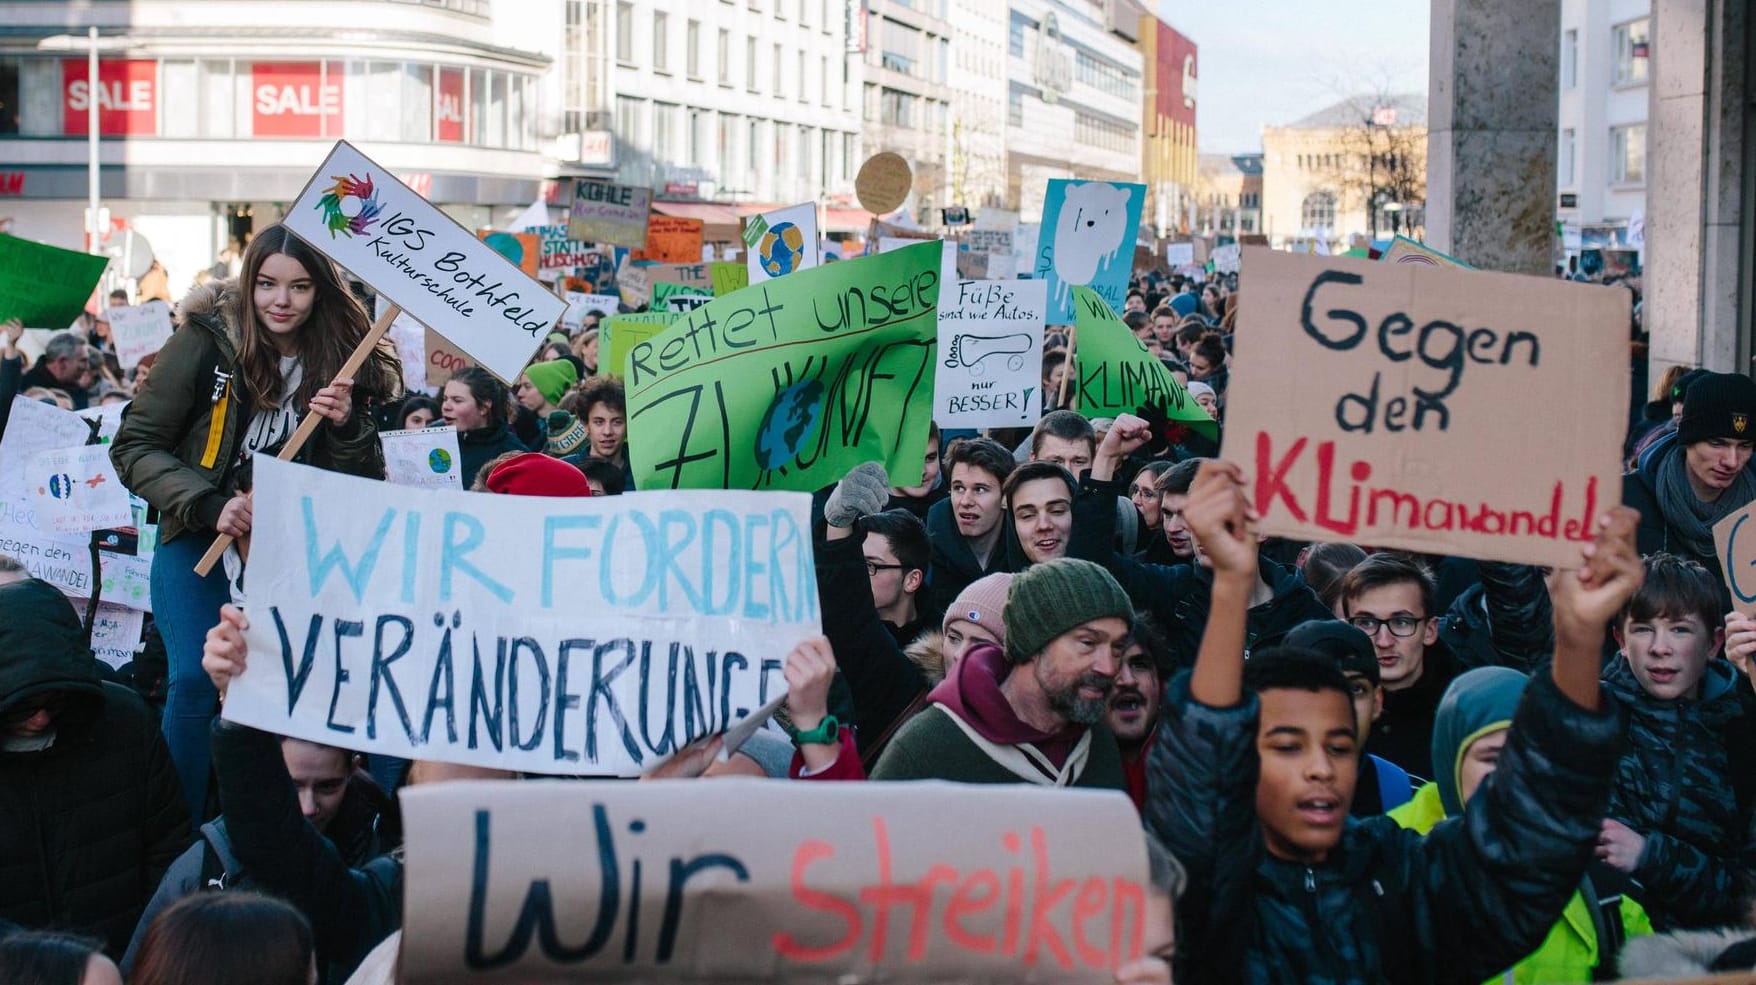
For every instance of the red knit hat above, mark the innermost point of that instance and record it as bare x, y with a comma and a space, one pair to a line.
534, 474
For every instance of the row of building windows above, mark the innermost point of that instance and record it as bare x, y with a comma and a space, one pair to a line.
1105, 76
1095, 131
404, 101
661, 31
784, 75
659, 139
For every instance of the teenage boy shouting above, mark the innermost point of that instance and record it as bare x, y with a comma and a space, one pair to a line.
1252, 791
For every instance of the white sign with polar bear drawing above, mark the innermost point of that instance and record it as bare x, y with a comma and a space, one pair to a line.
1088, 232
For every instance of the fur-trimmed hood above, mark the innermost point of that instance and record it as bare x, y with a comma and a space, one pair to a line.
928, 653
1682, 954
217, 304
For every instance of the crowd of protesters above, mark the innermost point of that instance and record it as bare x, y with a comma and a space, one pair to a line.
1361, 765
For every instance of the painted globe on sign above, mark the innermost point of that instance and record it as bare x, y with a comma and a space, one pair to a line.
439, 460
789, 423
780, 249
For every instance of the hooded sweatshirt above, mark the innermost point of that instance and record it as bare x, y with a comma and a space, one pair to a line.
1477, 704
91, 814
970, 733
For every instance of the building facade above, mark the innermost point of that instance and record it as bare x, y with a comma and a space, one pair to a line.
907, 93
209, 125
1073, 102
1355, 168
1227, 197
1169, 156
755, 101
1600, 154
977, 153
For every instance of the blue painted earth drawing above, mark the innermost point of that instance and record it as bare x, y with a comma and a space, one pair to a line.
439, 460
789, 423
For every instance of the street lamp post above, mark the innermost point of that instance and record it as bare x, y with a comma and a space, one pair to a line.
92, 236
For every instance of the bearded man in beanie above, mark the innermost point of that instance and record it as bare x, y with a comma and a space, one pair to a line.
91, 811
1688, 481
1031, 712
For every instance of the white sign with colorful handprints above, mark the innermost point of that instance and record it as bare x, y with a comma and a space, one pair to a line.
359, 215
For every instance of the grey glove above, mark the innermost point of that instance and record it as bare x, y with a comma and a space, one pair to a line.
862, 492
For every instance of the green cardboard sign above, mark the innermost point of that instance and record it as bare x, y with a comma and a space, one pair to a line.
1116, 374
45, 286
789, 383
620, 332
729, 276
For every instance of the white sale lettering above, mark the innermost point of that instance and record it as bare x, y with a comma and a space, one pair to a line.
131, 96
298, 100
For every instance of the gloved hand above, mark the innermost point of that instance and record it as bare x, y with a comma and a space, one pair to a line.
862, 492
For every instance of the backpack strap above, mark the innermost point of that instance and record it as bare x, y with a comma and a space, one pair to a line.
214, 876
1603, 889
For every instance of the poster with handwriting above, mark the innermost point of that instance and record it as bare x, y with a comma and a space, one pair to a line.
589, 637
989, 373
1428, 408
790, 382
799, 883
359, 215
605, 212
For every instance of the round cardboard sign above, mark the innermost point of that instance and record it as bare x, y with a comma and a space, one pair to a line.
883, 183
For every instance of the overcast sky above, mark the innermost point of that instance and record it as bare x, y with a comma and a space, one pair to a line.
1269, 62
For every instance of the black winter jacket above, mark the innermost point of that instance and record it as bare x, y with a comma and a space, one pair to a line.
887, 686
1684, 783
1656, 533
1504, 620
483, 445
351, 909
1464, 903
1178, 595
89, 824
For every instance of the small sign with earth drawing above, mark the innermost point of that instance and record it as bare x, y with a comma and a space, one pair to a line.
426, 457
781, 241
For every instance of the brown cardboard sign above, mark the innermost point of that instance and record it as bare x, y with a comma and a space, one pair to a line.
1431, 409
883, 182
751, 880
1734, 541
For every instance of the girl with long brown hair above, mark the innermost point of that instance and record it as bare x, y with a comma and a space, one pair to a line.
247, 360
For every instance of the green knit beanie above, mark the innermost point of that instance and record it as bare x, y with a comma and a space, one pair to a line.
552, 378
1049, 599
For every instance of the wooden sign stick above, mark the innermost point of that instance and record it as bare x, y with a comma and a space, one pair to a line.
1067, 368
308, 426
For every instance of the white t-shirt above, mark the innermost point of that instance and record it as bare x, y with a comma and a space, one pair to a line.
276, 424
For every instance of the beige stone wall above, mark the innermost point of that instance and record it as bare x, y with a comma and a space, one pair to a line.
1299, 162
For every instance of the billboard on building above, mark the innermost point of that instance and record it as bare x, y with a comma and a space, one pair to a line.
1177, 75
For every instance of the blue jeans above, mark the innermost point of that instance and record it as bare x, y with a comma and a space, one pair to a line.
185, 606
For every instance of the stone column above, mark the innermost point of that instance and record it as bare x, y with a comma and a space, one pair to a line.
1695, 159
1491, 132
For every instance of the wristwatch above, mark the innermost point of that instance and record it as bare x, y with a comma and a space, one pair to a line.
827, 732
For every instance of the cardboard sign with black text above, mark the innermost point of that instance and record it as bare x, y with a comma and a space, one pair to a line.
1430, 409
756, 880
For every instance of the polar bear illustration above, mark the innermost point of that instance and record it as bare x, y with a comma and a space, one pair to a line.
1088, 233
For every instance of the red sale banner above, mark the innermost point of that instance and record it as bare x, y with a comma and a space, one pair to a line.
294, 99
126, 96
448, 107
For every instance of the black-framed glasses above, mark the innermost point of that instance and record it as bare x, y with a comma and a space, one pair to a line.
1401, 627
873, 567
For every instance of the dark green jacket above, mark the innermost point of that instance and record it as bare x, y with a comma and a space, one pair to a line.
180, 437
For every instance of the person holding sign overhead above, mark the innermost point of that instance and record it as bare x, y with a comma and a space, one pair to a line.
247, 360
